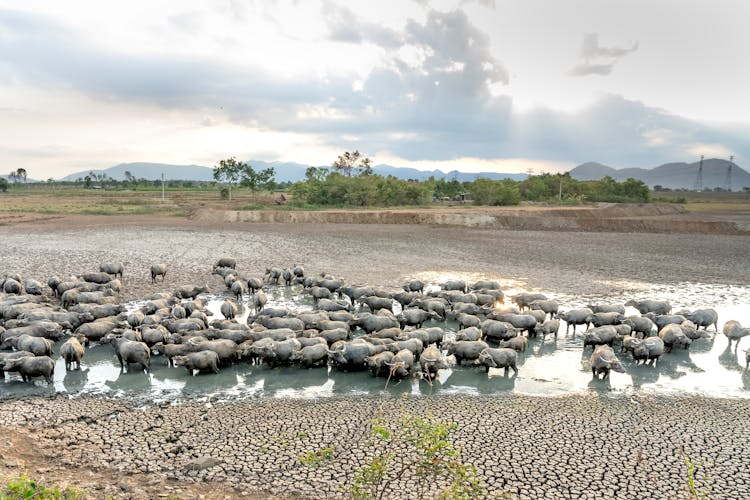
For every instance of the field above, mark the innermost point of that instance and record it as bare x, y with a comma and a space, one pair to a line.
65, 199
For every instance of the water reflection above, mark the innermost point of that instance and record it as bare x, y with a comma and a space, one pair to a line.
549, 366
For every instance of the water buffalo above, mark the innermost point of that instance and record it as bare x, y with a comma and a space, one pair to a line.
401, 364
113, 268
38, 346
524, 299
498, 330
502, 357
704, 318
12, 355
158, 270
225, 349
311, 355
129, 352
640, 324
378, 363
190, 292
603, 360
72, 351
734, 331
650, 306
672, 335
415, 317
226, 262
649, 349
600, 335
351, 355
201, 360
414, 286
430, 361
576, 317
516, 343
228, 309
30, 367
550, 326
466, 350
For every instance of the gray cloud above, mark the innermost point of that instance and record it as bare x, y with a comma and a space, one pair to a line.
344, 26
591, 48
438, 106
587, 68
598, 60
490, 4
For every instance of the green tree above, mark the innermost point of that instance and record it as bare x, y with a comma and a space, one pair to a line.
3, 184
257, 180
229, 171
21, 174
490, 192
13, 176
348, 162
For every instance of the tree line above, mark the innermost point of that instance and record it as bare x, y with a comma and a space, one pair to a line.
351, 182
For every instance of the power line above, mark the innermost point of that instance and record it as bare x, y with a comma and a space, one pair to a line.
728, 179
698, 186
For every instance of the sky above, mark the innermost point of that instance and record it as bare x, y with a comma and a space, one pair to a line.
478, 85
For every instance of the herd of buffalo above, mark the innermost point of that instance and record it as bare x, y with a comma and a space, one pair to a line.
350, 327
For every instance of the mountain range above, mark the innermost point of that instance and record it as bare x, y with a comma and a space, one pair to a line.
670, 175
285, 172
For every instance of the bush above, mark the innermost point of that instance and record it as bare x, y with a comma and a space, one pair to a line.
489, 192
418, 449
370, 190
25, 488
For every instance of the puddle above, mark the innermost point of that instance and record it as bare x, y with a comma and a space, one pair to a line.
549, 367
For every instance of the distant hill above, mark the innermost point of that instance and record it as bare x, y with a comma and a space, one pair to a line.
285, 172
669, 175
150, 171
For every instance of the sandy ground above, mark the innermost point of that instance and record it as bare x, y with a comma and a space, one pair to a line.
531, 447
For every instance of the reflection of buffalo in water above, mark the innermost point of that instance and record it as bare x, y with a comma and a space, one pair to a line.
135, 381
645, 374
543, 348
473, 378
703, 344
728, 359
75, 380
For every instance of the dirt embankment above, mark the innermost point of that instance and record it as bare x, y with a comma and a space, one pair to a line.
648, 218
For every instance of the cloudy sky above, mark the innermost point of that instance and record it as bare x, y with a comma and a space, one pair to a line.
473, 85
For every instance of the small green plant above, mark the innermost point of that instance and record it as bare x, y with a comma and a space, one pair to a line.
416, 448
694, 491
24, 488
315, 458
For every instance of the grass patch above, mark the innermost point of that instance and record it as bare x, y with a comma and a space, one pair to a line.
418, 448
316, 458
24, 487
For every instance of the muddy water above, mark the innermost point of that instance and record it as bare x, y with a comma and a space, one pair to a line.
549, 367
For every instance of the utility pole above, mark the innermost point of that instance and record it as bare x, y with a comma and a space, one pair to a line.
162, 187
699, 178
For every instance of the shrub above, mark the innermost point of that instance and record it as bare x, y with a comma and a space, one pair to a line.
418, 449
489, 192
24, 488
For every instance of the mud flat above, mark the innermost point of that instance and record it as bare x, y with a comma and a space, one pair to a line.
589, 446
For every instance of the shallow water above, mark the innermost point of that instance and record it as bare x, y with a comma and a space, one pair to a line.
549, 367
